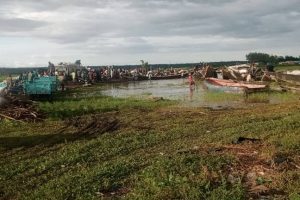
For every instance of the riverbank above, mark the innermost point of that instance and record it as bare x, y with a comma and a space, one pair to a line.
105, 147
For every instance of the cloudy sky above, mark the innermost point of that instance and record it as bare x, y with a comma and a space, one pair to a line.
107, 32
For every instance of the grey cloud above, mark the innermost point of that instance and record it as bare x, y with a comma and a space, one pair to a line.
107, 26
164, 17
18, 25
50, 5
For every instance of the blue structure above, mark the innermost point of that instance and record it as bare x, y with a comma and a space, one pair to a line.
41, 86
3, 85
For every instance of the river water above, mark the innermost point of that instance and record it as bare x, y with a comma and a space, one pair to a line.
178, 89
174, 89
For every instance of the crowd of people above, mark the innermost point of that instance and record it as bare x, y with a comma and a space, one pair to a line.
103, 74
68, 74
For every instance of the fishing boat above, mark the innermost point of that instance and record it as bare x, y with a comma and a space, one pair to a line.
289, 77
233, 86
168, 77
163, 77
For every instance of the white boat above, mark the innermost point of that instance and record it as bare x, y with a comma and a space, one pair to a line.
289, 77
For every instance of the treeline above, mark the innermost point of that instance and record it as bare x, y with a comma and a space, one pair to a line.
6, 71
252, 57
191, 65
264, 58
180, 65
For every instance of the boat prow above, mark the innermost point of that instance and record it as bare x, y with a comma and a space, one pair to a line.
233, 86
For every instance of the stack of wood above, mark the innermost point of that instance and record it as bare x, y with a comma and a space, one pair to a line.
16, 109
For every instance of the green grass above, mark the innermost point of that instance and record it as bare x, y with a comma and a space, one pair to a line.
81, 106
273, 97
222, 97
2, 78
280, 68
159, 151
185, 177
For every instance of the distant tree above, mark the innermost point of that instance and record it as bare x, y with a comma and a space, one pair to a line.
145, 65
291, 58
263, 58
78, 62
273, 59
280, 59
258, 57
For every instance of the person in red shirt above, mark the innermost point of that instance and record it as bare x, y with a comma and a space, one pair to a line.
191, 80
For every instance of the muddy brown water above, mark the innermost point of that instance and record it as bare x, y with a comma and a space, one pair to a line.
198, 96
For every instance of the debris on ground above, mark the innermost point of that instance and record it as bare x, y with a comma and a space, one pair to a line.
19, 109
93, 124
250, 167
257, 171
245, 139
205, 72
155, 99
244, 72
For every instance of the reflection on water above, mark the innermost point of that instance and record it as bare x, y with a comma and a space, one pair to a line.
169, 89
175, 89
195, 96
192, 89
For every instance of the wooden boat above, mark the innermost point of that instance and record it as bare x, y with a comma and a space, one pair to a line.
285, 87
289, 78
205, 72
164, 77
168, 77
231, 74
233, 86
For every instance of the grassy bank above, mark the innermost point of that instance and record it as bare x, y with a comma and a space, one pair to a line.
282, 68
2, 78
155, 150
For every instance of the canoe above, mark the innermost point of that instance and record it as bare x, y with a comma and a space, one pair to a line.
232, 86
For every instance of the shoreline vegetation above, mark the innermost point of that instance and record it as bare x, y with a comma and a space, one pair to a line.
113, 148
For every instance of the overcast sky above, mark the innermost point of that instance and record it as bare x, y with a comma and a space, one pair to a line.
108, 32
